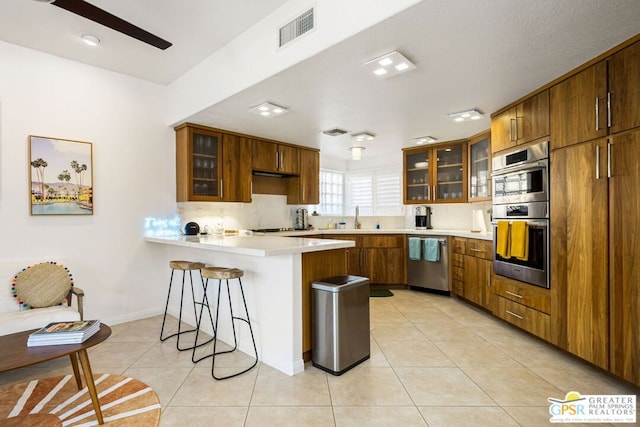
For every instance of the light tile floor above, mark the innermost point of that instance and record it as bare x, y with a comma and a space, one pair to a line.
435, 361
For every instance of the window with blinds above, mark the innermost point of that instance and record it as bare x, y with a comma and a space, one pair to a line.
375, 192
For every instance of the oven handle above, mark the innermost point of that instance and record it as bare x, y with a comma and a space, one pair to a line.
528, 221
522, 166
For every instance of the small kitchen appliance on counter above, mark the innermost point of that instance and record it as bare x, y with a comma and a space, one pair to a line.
191, 229
423, 218
302, 219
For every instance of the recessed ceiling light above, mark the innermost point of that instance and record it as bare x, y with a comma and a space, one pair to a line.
268, 110
389, 65
362, 136
90, 39
424, 140
462, 116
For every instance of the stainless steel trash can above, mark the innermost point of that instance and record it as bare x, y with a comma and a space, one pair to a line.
340, 323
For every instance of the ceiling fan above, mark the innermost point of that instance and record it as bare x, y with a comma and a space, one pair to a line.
95, 14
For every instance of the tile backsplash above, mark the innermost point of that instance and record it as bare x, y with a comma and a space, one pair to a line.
272, 211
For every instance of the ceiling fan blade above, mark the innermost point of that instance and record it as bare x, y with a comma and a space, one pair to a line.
89, 11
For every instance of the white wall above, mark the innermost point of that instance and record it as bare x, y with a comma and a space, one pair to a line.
133, 160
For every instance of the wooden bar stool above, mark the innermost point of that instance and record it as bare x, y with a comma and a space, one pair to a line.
184, 266
222, 273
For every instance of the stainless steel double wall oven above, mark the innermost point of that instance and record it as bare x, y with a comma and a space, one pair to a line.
521, 192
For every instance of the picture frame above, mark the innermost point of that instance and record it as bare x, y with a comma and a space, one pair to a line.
60, 176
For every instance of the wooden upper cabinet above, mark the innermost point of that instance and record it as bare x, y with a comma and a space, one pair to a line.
305, 189
278, 158
480, 167
624, 89
527, 121
578, 107
236, 168
198, 164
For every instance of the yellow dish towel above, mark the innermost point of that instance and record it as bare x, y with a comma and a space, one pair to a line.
502, 244
520, 240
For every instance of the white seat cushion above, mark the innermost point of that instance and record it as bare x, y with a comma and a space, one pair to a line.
17, 321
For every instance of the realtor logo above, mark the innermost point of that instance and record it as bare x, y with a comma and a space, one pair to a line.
577, 408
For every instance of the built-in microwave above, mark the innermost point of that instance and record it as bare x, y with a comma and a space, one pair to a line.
522, 176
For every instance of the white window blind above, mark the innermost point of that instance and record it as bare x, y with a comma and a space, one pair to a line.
376, 192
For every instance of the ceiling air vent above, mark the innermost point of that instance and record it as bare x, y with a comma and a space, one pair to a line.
334, 132
297, 27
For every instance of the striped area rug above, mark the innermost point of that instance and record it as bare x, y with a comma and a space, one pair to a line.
58, 402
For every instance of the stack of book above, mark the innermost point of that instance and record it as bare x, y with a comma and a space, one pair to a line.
73, 332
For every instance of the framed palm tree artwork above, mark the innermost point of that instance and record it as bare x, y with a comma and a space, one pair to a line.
60, 176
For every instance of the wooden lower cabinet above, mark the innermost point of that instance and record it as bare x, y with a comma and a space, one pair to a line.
381, 258
524, 317
317, 266
477, 281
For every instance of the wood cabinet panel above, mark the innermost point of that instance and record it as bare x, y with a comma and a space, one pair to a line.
579, 203
624, 250
289, 161
531, 296
624, 89
532, 118
479, 162
480, 248
459, 245
384, 266
578, 107
236, 168
305, 188
272, 157
503, 130
317, 266
383, 241
524, 317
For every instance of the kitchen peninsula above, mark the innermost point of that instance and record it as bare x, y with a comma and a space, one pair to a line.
278, 272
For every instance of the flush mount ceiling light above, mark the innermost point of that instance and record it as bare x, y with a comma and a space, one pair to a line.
90, 39
424, 140
464, 116
356, 152
268, 110
362, 136
389, 65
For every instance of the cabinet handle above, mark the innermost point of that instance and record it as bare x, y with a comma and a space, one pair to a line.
428, 192
608, 109
303, 193
221, 189
281, 160
251, 187
476, 250
597, 162
514, 315
597, 113
513, 131
609, 173
515, 295
277, 161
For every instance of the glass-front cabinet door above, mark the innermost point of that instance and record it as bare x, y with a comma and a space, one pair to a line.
480, 167
450, 173
205, 155
417, 177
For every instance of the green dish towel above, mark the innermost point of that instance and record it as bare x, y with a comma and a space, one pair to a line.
432, 250
414, 248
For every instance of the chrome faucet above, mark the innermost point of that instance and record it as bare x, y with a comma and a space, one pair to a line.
356, 225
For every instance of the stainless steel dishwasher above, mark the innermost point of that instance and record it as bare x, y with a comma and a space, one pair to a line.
428, 275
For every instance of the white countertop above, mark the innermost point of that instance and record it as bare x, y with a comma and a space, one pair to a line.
458, 233
260, 246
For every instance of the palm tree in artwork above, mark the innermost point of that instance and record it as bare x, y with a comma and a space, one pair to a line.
39, 165
79, 170
65, 176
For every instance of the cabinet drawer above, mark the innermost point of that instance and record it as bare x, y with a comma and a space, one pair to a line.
458, 274
459, 245
382, 241
457, 260
524, 317
480, 248
538, 299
